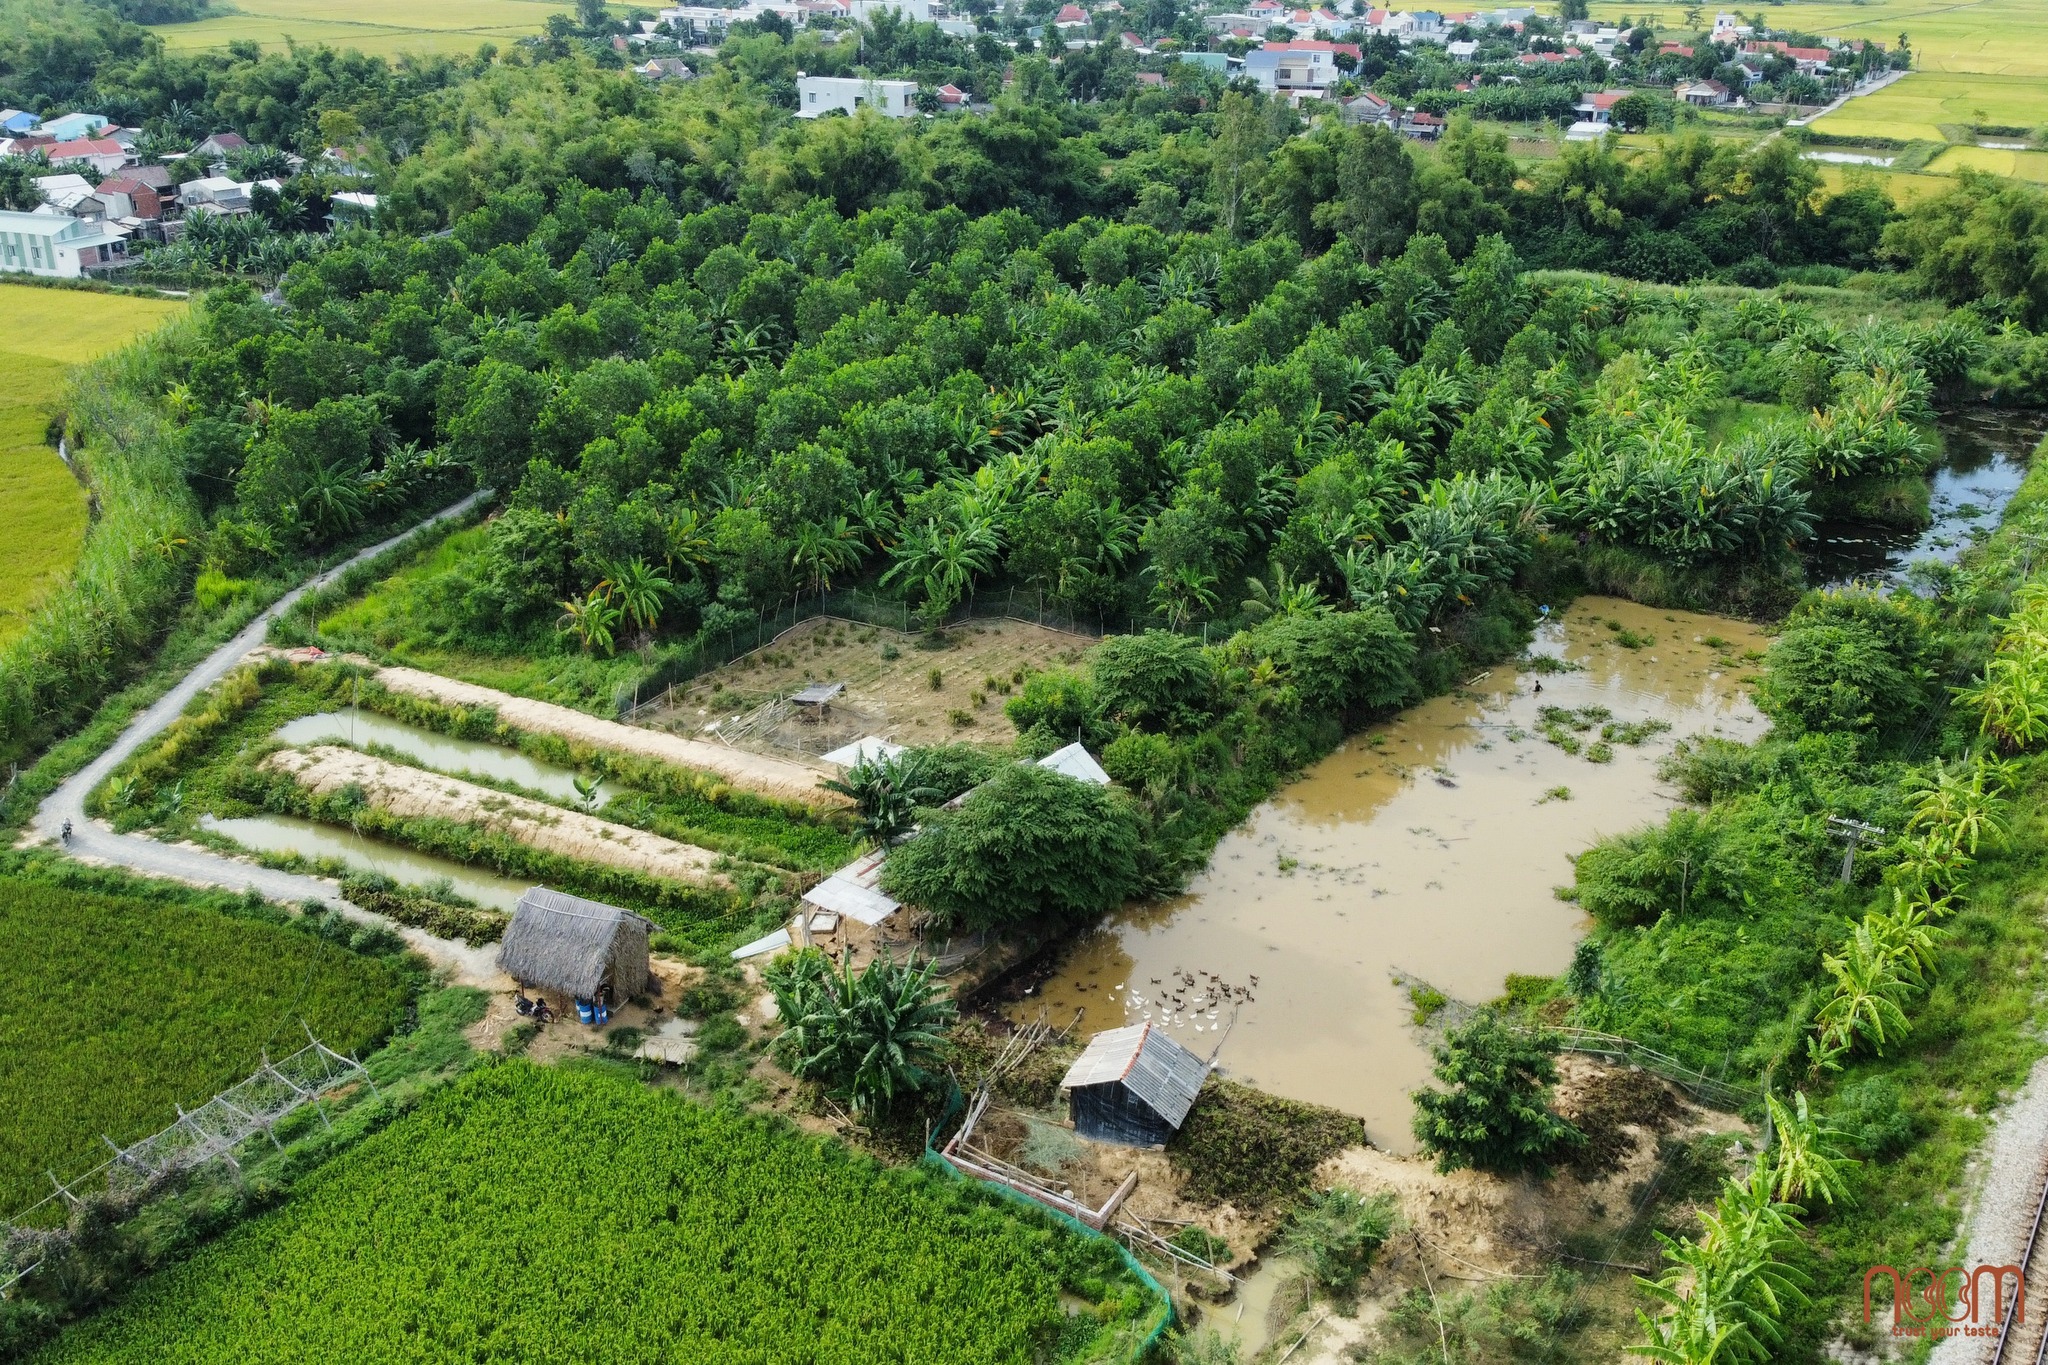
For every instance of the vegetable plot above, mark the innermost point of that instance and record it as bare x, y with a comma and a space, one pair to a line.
572, 1214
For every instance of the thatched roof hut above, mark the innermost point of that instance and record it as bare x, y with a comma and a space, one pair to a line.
560, 942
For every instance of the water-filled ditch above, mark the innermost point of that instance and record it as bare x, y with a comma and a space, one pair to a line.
415, 744
312, 839
1427, 846
1983, 465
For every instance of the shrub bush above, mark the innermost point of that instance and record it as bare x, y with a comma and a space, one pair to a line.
1028, 843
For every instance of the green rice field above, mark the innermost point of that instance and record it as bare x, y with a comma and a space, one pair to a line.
113, 1011
43, 333
570, 1213
382, 27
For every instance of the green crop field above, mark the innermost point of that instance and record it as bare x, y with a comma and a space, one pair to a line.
1919, 105
43, 332
1996, 37
383, 27
570, 1214
113, 1011
2025, 165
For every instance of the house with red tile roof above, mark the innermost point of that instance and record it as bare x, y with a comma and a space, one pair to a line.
103, 154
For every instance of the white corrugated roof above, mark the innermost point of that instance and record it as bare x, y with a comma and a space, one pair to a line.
778, 939
1076, 762
855, 891
863, 750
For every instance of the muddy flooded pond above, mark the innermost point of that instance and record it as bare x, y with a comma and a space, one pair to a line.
1426, 847
354, 726
1984, 464
312, 839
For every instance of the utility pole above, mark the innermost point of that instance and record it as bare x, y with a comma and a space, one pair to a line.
1854, 834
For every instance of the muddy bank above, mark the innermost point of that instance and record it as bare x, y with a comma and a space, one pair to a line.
1427, 847
410, 792
780, 779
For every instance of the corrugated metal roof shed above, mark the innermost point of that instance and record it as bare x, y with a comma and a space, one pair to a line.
1159, 1071
866, 749
1076, 762
855, 891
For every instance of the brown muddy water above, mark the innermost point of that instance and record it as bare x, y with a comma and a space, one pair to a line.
1427, 847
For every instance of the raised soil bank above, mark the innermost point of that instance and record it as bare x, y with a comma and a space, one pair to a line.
777, 778
360, 729
1428, 846
326, 769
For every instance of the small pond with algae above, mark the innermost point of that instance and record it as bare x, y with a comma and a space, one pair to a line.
1426, 848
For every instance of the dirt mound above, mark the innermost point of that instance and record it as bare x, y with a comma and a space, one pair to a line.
413, 792
778, 778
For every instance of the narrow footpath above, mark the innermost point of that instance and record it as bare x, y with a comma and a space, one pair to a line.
96, 841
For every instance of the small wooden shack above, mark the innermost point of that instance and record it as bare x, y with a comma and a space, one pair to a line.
558, 942
1133, 1086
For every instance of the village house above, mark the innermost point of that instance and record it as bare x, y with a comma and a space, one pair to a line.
69, 127
1703, 94
820, 95
1598, 107
586, 951
103, 154
1305, 65
58, 246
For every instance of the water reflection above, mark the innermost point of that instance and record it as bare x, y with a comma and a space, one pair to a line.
1429, 846
1987, 450
354, 726
311, 839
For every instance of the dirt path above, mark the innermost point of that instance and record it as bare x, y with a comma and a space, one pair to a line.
771, 777
92, 841
404, 791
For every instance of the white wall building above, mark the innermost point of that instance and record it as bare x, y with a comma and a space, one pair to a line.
916, 11
58, 245
818, 95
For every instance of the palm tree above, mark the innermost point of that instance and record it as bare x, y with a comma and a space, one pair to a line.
822, 551
590, 619
1180, 594
333, 499
640, 589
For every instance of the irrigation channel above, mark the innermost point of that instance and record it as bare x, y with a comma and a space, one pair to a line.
92, 839
1983, 462
1425, 848
419, 747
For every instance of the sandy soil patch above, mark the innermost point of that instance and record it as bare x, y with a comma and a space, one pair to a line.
779, 778
888, 696
409, 792
564, 1037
